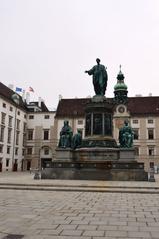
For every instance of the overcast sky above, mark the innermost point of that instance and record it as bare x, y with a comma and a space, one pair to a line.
48, 44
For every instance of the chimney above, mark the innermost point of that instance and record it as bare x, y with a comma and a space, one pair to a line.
23, 95
60, 97
27, 97
39, 102
11, 86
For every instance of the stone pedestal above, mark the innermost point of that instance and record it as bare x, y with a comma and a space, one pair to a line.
96, 170
127, 154
96, 154
64, 154
95, 164
98, 117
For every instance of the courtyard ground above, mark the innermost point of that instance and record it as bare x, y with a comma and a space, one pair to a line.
62, 211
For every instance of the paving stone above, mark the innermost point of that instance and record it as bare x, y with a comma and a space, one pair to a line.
86, 227
139, 234
93, 233
116, 234
155, 234
128, 228
107, 228
67, 227
72, 232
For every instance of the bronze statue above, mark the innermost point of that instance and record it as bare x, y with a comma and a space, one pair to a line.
126, 136
65, 136
77, 139
99, 78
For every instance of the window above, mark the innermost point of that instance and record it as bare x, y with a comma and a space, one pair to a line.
31, 116
9, 136
24, 139
150, 121
3, 117
151, 164
2, 133
4, 105
1, 148
10, 120
150, 134
46, 116
30, 134
16, 151
18, 124
136, 134
11, 108
136, 151
46, 151
7, 162
151, 151
46, 134
8, 149
23, 152
29, 150
24, 127
80, 122
17, 137
135, 121
18, 112
24, 116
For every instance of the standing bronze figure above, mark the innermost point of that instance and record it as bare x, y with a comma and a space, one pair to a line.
100, 78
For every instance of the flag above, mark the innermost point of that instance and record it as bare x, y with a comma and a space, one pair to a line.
17, 89
31, 89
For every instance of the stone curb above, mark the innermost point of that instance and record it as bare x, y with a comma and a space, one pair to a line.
82, 189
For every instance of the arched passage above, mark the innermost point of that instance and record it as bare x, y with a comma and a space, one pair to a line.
45, 156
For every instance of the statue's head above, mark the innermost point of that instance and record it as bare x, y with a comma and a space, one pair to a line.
79, 131
98, 60
65, 122
126, 122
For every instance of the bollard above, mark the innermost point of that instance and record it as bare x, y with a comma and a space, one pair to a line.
37, 175
151, 177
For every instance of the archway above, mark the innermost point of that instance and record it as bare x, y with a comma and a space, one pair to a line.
45, 156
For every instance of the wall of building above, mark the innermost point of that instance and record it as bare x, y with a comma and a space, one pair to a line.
42, 147
12, 153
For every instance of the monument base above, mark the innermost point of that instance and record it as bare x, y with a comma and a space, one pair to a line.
110, 170
95, 164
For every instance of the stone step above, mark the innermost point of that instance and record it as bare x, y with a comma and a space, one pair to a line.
152, 190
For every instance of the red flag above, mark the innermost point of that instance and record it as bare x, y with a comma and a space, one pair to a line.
31, 89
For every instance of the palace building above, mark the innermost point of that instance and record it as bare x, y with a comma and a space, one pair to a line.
25, 132
29, 133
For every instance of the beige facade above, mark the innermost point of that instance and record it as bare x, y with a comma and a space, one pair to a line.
40, 139
146, 136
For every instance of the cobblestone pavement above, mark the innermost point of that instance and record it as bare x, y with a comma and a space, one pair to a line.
77, 215
25, 178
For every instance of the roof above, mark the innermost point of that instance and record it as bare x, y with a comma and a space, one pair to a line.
137, 106
7, 94
43, 107
71, 107
144, 105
